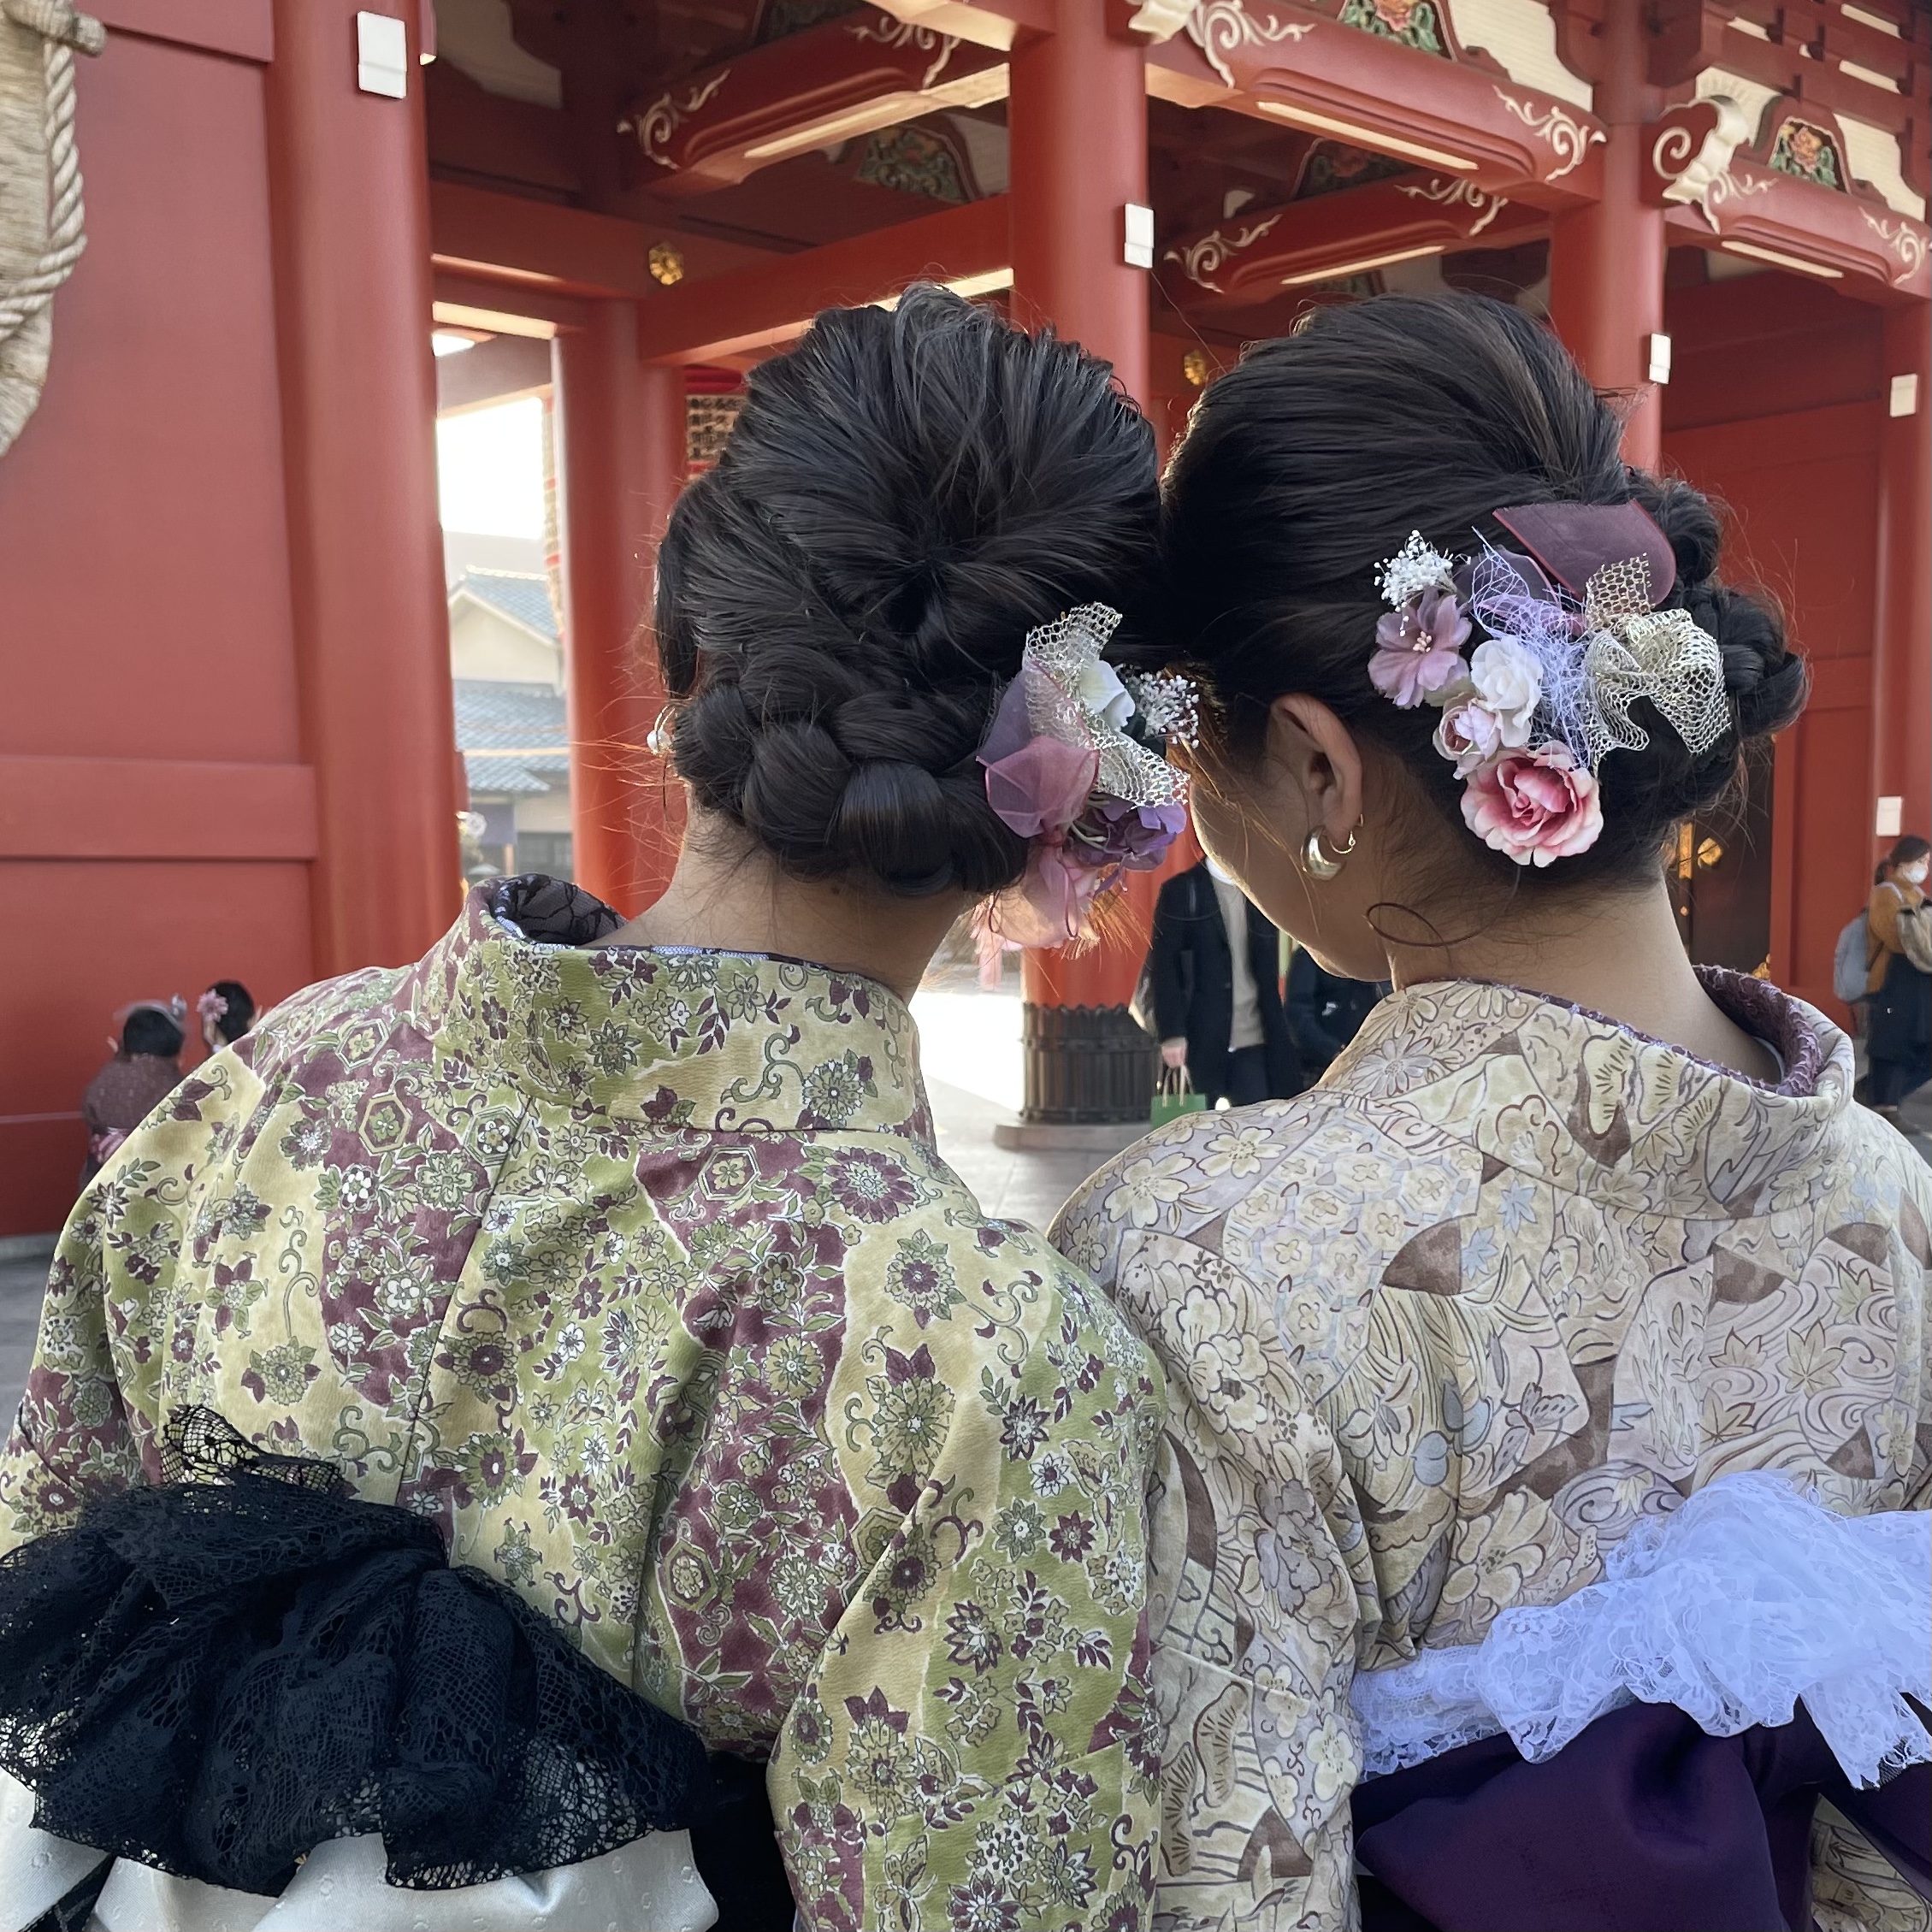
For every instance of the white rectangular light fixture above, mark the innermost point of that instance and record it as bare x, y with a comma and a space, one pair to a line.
1776, 260
1904, 397
1657, 358
1137, 249
1890, 819
1368, 137
381, 56
1362, 267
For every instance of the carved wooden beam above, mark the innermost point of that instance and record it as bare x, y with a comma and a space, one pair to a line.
511, 239
986, 23
1721, 199
771, 302
1285, 62
1253, 255
850, 76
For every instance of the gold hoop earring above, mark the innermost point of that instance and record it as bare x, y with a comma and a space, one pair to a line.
1319, 862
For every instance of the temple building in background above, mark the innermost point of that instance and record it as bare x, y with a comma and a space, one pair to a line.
230, 746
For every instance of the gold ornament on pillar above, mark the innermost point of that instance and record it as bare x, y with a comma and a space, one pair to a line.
667, 263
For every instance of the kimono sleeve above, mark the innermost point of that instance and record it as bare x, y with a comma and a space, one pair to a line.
1262, 1581
93, 1390
973, 1747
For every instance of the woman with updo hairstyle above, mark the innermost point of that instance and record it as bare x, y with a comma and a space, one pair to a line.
1548, 1385
738, 1474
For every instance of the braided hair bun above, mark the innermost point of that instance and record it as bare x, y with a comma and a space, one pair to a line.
1314, 459
842, 600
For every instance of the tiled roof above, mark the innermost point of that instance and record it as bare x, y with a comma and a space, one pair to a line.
500, 777
513, 736
521, 597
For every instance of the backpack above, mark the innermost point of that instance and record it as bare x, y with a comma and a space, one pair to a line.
1851, 960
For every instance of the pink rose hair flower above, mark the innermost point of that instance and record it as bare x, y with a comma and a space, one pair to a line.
1469, 734
1420, 648
1538, 805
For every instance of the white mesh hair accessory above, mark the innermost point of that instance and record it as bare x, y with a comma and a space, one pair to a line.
1073, 694
1598, 661
1630, 653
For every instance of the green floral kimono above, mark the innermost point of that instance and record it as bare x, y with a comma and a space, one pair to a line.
640, 1272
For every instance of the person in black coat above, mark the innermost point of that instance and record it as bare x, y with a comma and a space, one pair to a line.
1325, 1010
1220, 1018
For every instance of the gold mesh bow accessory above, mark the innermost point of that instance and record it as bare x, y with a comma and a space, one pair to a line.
1632, 651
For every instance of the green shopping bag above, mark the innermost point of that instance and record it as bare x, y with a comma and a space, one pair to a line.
1174, 1095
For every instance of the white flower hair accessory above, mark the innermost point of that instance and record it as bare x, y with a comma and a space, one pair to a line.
1530, 714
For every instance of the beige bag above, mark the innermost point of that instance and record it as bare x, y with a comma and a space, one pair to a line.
1915, 935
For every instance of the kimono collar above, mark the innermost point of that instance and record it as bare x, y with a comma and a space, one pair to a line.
698, 1039
1593, 1106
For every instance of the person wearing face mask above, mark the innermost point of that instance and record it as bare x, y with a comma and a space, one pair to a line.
1900, 1042
1215, 964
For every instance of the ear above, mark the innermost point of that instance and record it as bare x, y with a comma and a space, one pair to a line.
1319, 752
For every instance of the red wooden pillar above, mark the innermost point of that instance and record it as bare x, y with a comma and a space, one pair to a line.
620, 461
1606, 259
662, 429
349, 187
1901, 661
1076, 120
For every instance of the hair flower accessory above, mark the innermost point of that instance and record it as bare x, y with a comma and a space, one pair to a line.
1509, 684
1063, 772
1420, 653
1534, 806
1420, 642
1548, 693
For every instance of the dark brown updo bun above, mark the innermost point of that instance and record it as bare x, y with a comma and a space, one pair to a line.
1314, 458
841, 602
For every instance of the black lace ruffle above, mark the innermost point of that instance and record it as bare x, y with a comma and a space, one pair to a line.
216, 1675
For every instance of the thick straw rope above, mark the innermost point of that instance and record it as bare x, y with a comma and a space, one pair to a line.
47, 238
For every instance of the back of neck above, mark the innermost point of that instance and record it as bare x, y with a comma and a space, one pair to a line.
1616, 953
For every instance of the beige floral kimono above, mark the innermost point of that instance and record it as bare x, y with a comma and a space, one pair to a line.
639, 1272
1439, 1331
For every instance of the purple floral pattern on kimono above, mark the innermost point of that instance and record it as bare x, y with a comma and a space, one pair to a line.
640, 1272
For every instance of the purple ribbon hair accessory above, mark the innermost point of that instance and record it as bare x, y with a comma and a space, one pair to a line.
1062, 773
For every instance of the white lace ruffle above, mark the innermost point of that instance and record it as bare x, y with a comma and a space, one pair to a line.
1745, 1601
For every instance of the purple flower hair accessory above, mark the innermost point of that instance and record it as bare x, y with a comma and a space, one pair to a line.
1420, 653
1063, 773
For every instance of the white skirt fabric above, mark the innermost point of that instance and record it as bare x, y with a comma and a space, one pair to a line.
1750, 1599
650, 1885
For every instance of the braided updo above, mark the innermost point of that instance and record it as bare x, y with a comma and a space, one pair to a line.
841, 602
1316, 457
